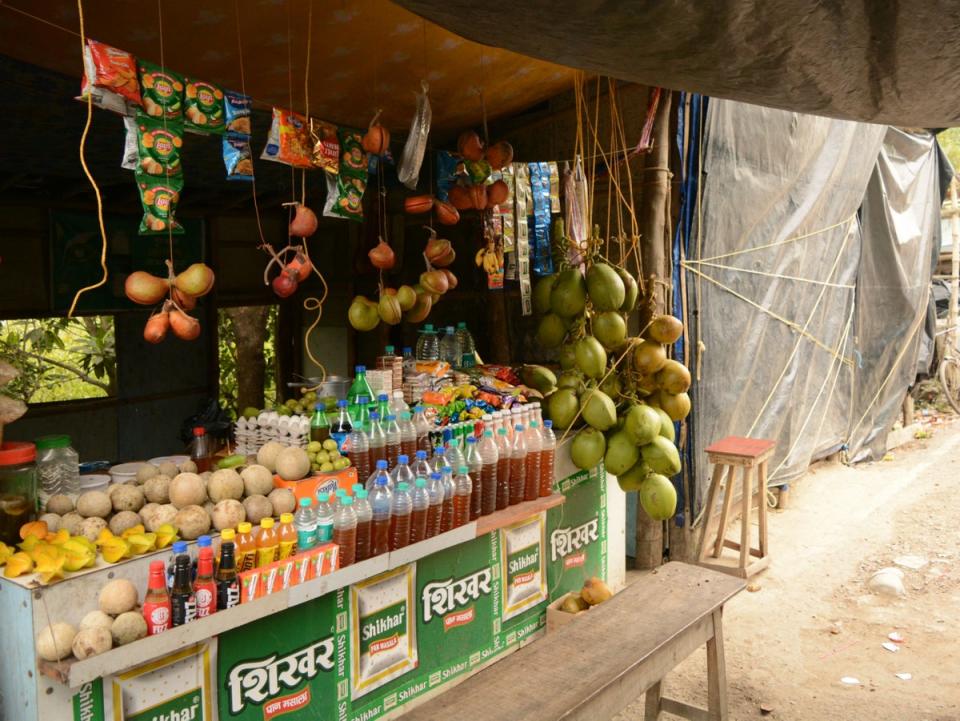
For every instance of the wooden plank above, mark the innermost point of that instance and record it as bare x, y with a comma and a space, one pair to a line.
653, 703
635, 655
513, 514
685, 710
716, 671
747, 482
711, 502
740, 446
725, 514
762, 507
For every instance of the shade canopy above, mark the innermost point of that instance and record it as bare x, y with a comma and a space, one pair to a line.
878, 62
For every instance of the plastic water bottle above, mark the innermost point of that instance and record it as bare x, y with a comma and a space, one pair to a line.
361, 506
454, 454
504, 452
345, 532
435, 512
376, 439
423, 426
360, 452
468, 350
422, 467
409, 362
449, 491
381, 503
398, 406
532, 437
462, 491
420, 499
408, 435
518, 465
305, 521
402, 473
439, 460
475, 464
449, 348
428, 347
548, 452
380, 472
392, 434
400, 517
324, 518
489, 458
383, 407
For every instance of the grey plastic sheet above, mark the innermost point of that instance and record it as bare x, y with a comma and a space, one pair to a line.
798, 312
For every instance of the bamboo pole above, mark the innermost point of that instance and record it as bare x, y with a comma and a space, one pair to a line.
654, 249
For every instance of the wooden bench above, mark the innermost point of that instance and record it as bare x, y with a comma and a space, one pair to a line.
592, 668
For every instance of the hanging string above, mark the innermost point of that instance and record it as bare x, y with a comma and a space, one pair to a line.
163, 67
93, 183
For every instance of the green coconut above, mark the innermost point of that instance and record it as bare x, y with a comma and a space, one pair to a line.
667, 429
631, 480
642, 423
610, 329
658, 497
587, 448
552, 330
622, 453
597, 409
568, 296
567, 357
561, 407
631, 291
591, 357
541, 294
662, 456
605, 287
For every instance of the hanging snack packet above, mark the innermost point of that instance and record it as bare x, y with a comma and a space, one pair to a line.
237, 107
326, 146
131, 154
288, 141
159, 197
203, 110
159, 144
162, 91
110, 77
237, 157
345, 193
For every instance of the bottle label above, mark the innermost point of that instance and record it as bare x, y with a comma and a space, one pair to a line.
183, 608
325, 532
228, 594
205, 599
157, 616
306, 540
287, 549
341, 439
245, 560
266, 556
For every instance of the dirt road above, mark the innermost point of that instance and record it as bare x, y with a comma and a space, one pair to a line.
813, 619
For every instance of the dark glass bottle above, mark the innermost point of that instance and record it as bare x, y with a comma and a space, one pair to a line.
182, 600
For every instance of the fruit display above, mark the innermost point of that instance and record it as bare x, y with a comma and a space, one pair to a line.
619, 395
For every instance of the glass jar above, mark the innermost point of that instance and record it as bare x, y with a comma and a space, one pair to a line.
18, 488
58, 467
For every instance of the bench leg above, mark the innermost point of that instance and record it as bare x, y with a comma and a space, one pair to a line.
652, 703
716, 672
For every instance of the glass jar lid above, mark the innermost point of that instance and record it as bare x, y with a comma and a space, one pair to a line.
47, 442
14, 453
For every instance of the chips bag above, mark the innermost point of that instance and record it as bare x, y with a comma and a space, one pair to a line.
288, 141
159, 197
158, 145
203, 110
237, 108
110, 77
131, 153
162, 91
237, 157
345, 191
326, 145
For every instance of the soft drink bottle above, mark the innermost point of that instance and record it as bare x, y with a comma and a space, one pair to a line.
268, 542
420, 502
361, 506
319, 425
204, 587
454, 453
421, 467
504, 451
531, 487
227, 534
402, 473
324, 518
156, 604
381, 472
400, 517
183, 604
377, 439
463, 490
392, 433
489, 456
305, 523
423, 427
381, 503
345, 532
201, 450
287, 535
362, 417
203, 541
360, 386
341, 428
408, 434
548, 451
518, 465
246, 547
360, 452
435, 512
228, 587
449, 491
475, 464
179, 549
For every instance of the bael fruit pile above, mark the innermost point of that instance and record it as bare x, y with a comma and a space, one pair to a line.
622, 394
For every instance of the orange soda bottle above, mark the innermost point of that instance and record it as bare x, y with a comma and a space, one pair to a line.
246, 547
288, 537
268, 543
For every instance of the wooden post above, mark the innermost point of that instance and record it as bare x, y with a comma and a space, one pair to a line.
654, 250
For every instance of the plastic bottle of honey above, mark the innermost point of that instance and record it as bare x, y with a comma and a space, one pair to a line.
531, 487
381, 472
518, 465
400, 517
402, 473
360, 452
287, 535
268, 543
377, 439
504, 452
393, 435
361, 506
246, 547
435, 511
463, 490
345, 532
475, 464
423, 427
489, 456
408, 435
381, 502
420, 499
449, 491
548, 451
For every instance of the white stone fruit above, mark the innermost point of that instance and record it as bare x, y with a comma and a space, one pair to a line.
52, 520
159, 516
157, 489
60, 504
257, 508
127, 498
118, 596
283, 501
257, 480
192, 522
223, 484
94, 503
292, 464
188, 467
91, 641
146, 472
267, 455
96, 619
55, 641
91, 527
71, 522
187, 489
128, 627
228, 513
168, 469
124, 520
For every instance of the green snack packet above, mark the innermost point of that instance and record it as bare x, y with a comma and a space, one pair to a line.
203, 109
159, 197
162, 91
158, 145
345, 190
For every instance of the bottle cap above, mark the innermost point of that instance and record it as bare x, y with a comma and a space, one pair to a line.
548, 424
203, 542
361, 493
403, 458
341, 404
391, 417
454, 443
374, 416
421, 455
501, 431
341, 494
319, 406
447, 469
363, 400
403, 487
179, 547
436, 476
347, 501
356, 487
381, 465
46, 442
266, 522
461, 324
286, 517
199, 431
420, 483
534, 424
381, 481
488, 434
428, 327
418, 409
306, 502
227, 534
518, 427
360, 369
244, 527
388, 350
464, 470
438, 451
383, 397
471, 439
449, 329
323, 497
407, 349
405, 416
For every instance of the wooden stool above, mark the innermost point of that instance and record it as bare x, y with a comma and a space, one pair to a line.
727, 455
